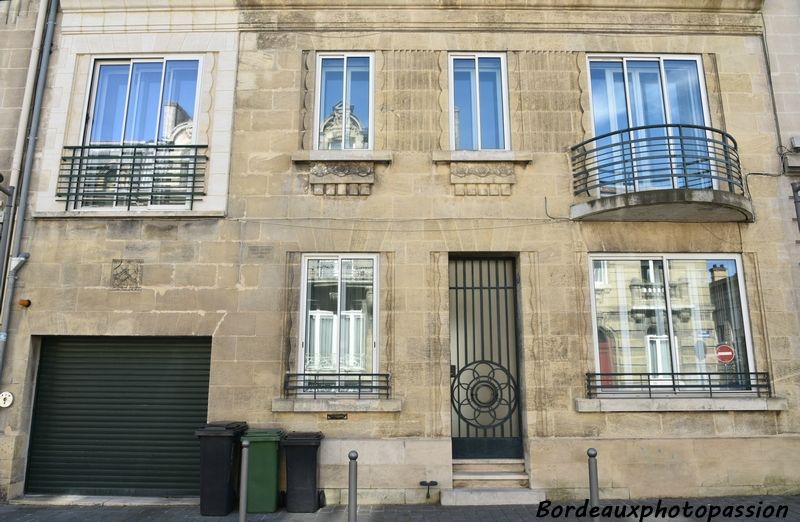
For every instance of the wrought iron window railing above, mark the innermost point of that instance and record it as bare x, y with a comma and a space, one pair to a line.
656, 157
358, 385
663, 385
126, 176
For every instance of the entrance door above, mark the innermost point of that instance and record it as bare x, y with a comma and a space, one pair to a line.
483, 359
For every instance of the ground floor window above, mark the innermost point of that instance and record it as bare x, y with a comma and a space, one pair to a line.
338, 310
670, 314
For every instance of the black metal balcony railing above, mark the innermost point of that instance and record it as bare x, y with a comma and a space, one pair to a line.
359, 385
656, 157
665, 385
128, 176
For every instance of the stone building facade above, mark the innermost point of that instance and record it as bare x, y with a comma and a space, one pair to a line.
423, 232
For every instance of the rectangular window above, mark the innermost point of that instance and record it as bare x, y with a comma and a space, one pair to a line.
478, 102
339, 307
344, 101
139, 142
653, 111
143, 101
671, 317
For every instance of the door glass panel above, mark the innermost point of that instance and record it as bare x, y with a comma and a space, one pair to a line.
652, 165
686, 107
109, 104
611, 114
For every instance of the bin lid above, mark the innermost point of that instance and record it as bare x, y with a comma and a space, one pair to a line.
222, 429
272, 435
302, 438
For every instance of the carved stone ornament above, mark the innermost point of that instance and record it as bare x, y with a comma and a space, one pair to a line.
482, 178
337, 178
126, 274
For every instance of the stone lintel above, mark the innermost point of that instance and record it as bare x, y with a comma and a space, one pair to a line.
644, 404
336, 405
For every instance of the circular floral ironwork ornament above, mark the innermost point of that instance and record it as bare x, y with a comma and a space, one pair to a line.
484, 394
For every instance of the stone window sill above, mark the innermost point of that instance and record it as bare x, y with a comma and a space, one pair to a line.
456, 156
336, 405
644, 404
341, 172
129, 214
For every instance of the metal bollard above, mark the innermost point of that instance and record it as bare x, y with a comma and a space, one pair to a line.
352, 488
243, 481
594, 490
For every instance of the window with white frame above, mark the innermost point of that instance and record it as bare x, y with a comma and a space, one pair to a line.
657, 101
344, 111
139, 139
478, 102
339, 306
143, 101
667, 314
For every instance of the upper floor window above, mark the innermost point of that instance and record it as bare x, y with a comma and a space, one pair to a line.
339, 307
139, 146
143, 101
344, 101
478, 102
653, 110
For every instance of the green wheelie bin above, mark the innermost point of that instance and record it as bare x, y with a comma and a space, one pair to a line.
262, 480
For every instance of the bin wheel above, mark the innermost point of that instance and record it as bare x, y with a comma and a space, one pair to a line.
321, 499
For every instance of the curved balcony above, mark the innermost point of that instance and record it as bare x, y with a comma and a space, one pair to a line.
686, 173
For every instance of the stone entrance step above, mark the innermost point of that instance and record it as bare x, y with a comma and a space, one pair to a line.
491, 496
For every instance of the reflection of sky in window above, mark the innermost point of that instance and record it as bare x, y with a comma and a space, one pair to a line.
358, 88
683, 90
112, 83
491, 103
608, 97
350, 74
469, 109
180, 87
728, 264
143, 100
464, 102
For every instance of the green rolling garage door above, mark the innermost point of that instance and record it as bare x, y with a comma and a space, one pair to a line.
116, 416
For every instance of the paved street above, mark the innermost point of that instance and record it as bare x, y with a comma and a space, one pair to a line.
763, 508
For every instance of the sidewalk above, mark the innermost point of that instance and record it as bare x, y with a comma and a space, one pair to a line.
28, 513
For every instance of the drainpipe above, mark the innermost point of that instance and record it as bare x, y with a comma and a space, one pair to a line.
796, 194
22, 127
18, 259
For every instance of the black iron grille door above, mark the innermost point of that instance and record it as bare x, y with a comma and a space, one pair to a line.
483, 355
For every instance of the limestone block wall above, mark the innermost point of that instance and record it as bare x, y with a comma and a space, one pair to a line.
17, 22
236, 277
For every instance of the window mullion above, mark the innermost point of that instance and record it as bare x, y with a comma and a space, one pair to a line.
668, 121
673, 350
478, 103
160, 109
126, 101
345, 107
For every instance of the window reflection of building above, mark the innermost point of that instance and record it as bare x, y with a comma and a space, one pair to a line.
177, 124
333, 130
641, 302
